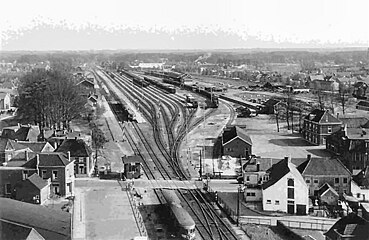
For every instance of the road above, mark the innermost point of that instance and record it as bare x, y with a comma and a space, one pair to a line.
102, 211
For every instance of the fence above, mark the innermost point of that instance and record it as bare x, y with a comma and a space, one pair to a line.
136, 212
270, 221
312, 224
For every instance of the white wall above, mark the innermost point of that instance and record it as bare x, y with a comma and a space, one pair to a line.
363, 193
278, 192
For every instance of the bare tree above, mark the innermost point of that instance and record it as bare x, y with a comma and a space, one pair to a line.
343, 96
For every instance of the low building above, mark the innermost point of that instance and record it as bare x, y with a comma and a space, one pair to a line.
81, 153
132, 166
318, 125
33, 189
21, 133
49, 223
363, 105
5, 101
320, 171
9, 148
360, 185
327, 195
236, 143
10, 177
286, 190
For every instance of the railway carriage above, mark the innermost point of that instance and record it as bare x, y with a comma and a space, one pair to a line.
182, 219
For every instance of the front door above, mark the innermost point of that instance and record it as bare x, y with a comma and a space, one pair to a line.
56, 189
291, 207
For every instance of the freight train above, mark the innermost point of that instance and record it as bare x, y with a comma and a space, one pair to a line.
183, 221
167, 87
177, 80
137, 80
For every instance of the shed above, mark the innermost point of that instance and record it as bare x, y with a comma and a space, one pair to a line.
132, 166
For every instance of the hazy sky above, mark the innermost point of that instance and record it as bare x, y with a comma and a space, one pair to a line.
182, 24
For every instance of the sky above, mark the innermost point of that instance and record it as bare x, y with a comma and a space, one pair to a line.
182, 24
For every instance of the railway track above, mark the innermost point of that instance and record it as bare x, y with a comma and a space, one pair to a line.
209, 224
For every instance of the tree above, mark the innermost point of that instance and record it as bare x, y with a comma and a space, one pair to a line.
49, 99
343, 95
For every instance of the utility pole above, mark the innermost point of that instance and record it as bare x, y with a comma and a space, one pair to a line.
200, 171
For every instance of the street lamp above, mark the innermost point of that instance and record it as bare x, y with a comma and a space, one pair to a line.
240, 190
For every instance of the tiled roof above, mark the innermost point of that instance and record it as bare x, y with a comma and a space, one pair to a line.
363, 103
34, 146
323, 167
48, 160
76, 147
277, 171
360, 231
6, 143
233, 132
26, 133
50, 223
13, 230
37, 181
318, 115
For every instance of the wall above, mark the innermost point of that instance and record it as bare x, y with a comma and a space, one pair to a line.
330, 180
362, 194
278, 191
11, 176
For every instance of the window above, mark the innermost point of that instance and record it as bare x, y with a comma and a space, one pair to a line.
43, 174
358, 195
290, 182
291, 193
345, 180
247, 178
269, 201
250, 194
276, 202
316, 181
55, 174
307, 181
330, 129
336, 180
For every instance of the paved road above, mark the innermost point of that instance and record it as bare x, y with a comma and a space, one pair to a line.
102, 211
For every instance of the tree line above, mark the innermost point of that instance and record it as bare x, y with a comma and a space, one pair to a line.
49, 99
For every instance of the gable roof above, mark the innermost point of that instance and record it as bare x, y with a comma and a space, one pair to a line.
13, 230
277, 171
6, 143
76, 147
323, 167
35, 146
26, 133
322, 116
50, 223
233, 132
48, 160
362, 178
323, 189
355, 122
37, 181
86, 82
357, 226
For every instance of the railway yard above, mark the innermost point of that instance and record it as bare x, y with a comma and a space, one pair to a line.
176, 142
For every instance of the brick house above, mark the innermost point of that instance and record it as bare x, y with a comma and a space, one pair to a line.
58, 167
33, 189
319, 171
351, 145
286, 190
318, 125
80, 153
21, 133
236, 143
10, 177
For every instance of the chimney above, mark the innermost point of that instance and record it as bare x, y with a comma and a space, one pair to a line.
288, 159
258, 166
26, 155
309, 157
37, 164
68, 155
338, 115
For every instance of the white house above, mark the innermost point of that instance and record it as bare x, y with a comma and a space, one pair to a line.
360, 193
286, 190
4, 101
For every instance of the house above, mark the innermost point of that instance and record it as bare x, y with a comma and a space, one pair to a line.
320, 171
38, 146
327, 195
319, 124
360, 185
352, 227
21, 133
5, 101
10, 148
81, 153
271, 105
57, 166
14, 230
286, 190
360, 90
10, 177
355, 121
33, 189
363, 105
236, 143
87, 87
49, 223
351, 145
132, 166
